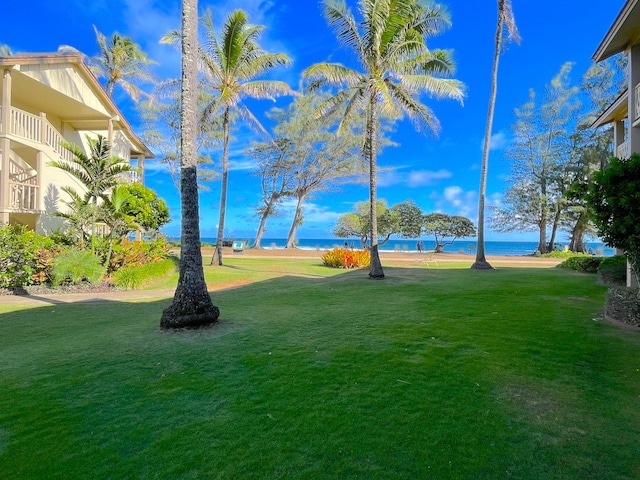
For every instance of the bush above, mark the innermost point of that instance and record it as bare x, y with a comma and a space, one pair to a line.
135, 277
582, 263
16, 258
623, 305
344, 258
74, 267
563, 254
613, 270
132, 254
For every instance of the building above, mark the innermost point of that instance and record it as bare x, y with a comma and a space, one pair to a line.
48, 99
624, 37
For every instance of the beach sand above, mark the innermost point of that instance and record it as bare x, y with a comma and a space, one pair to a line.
403, 258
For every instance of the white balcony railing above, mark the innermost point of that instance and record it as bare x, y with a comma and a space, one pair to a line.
622, 150
24, 196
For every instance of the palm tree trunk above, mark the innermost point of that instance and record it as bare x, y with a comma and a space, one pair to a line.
191, 304
223, 187
297, 217
481, 262
375, 271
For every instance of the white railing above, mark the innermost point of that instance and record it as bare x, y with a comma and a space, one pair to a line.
637, 102
25, 125
24, 196
622, 150
55, 140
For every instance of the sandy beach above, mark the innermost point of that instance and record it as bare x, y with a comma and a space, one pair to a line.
412, 258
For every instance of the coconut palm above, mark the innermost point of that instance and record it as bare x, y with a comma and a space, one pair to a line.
395, 67
120, 61
231, 64
191, 305
5, 50
505, 17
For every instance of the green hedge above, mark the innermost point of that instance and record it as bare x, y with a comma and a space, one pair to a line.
584, 264
613, 270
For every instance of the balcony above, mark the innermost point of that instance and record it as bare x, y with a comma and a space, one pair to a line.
36, 129
622, 150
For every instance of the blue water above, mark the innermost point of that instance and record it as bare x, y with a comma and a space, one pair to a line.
461, 246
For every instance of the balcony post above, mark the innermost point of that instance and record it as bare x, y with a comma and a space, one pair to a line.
5, 147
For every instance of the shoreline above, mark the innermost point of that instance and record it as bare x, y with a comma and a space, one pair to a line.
401, 257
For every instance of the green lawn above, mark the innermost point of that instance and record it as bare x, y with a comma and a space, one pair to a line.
320, 374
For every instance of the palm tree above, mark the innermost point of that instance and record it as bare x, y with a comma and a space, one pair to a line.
231, 65
99, 172
5, 50
505, 16
396, 66
192, 305
121, 62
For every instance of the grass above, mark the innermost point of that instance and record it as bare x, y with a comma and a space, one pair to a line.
317, 373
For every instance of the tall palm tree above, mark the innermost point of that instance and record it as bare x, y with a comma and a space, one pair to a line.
5, 50
505, 17
396, 66
121, 62
192, 305
231, 64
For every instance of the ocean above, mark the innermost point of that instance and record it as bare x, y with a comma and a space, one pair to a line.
460, 246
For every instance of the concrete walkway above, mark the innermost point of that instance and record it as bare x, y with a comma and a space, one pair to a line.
59, 298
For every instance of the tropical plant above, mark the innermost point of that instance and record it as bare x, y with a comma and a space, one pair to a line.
191, 305
231, 66
99, 173
395, 67
5, 50
145, 207
345, 258
121, 62
77, 266
505, 18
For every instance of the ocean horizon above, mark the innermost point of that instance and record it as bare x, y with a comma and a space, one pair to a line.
396, 245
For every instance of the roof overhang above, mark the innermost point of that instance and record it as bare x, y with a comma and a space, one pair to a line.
617, 111
78, 115
623, 33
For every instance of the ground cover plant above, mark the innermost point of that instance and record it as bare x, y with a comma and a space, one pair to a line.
441, 373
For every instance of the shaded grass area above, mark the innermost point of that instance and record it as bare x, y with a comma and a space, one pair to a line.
432, 373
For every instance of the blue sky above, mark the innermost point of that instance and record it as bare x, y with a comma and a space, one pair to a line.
438, 173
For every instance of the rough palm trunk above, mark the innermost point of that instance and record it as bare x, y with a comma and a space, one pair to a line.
191, 304
291, 238
481, 262
375, 271
542, 225
223, 188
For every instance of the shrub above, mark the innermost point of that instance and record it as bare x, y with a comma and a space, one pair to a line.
623, 305
344, 258
76, 266
613, 270
563, 254
17, 255
134, 277
131, 254
582, 263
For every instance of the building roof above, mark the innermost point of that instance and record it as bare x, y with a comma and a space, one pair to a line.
617, 111
623, 33
77, 113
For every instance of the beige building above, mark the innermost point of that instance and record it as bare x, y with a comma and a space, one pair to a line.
624, 37
48, 99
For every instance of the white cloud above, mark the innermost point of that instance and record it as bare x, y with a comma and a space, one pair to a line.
499, 141
421, 178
